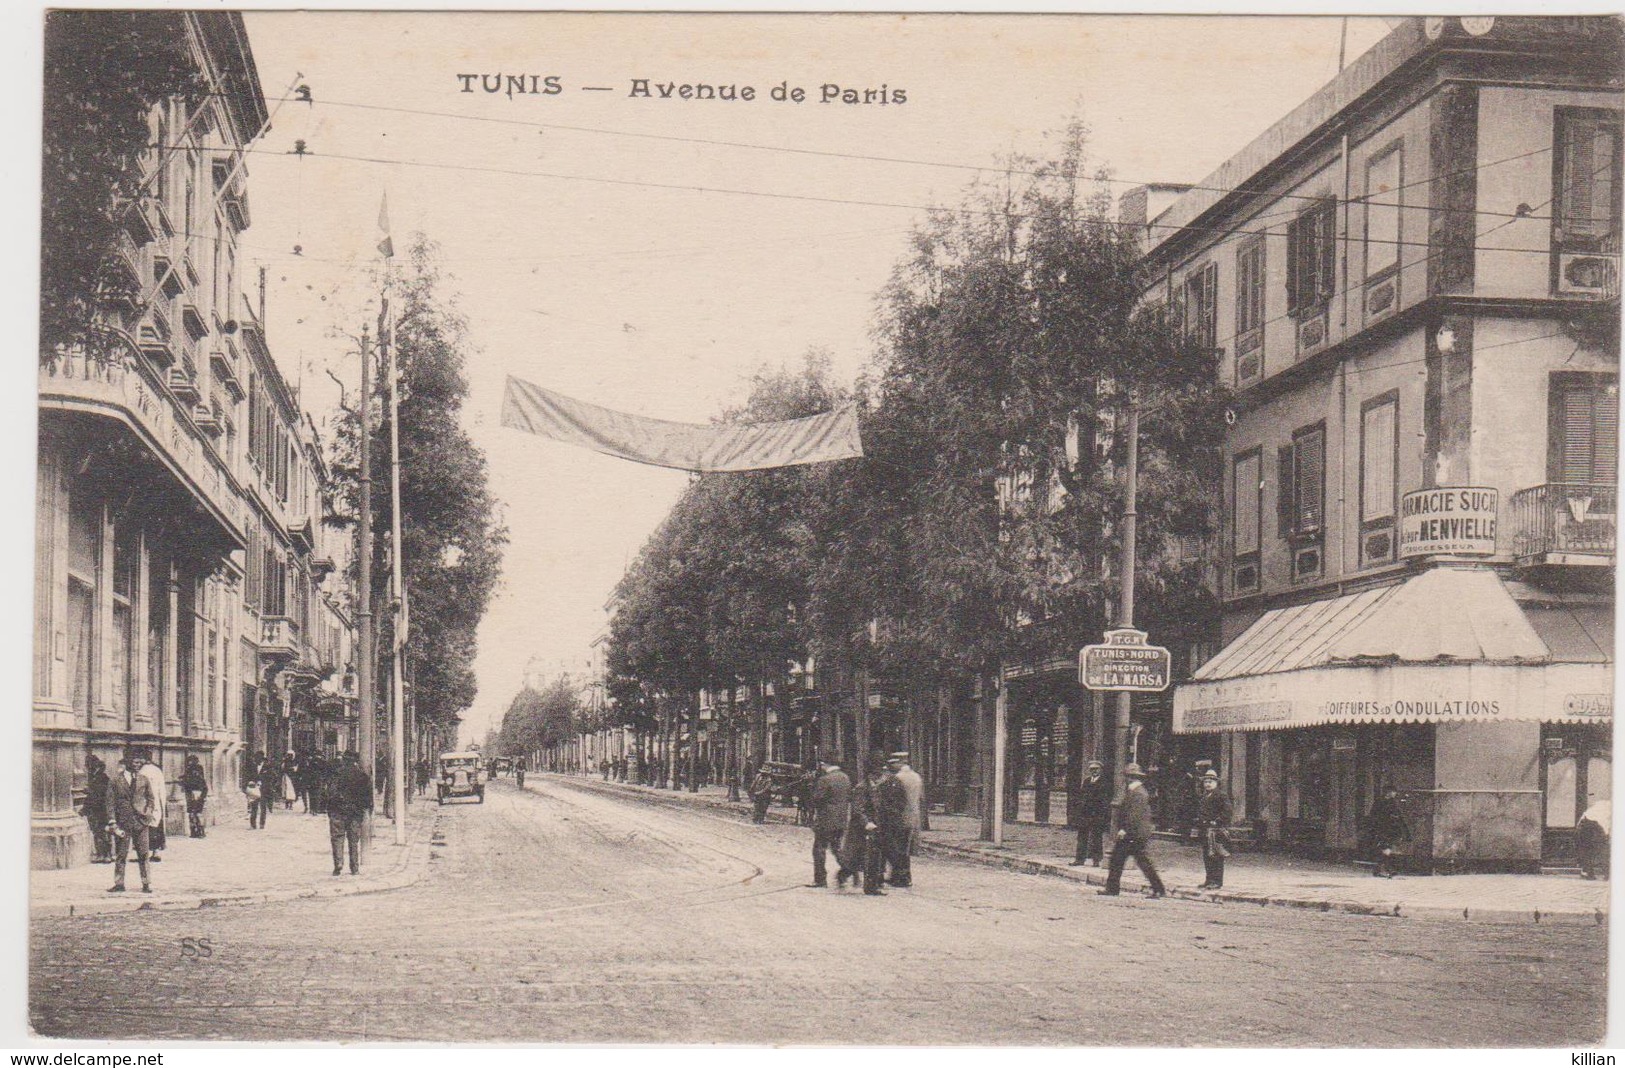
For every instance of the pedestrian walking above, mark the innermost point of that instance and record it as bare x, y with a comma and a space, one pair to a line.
130, 807
896, 824
863, 830
519, 773
831, 801
196, 785
1094, 815
603, 767
1213, 824
1134, 836
347, 809
259, 806
1385, 828
420, 773
95, 809
157, 839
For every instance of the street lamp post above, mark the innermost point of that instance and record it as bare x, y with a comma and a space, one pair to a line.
1125, 604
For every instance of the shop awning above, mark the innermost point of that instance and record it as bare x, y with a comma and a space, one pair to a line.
1450, 644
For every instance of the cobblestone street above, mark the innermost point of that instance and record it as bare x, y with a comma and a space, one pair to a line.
558, 915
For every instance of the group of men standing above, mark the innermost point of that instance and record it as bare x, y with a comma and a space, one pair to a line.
870, 826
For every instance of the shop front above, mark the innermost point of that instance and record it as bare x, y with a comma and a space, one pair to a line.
1490, 716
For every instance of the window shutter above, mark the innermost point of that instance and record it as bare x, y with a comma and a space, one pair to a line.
1292, 258
1326, 252
1576, 455
1284, 483
1310, 471
1605, 451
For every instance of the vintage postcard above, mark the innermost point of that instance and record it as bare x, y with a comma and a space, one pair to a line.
841, 529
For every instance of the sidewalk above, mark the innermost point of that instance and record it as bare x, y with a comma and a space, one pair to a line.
291, 858
1250, 878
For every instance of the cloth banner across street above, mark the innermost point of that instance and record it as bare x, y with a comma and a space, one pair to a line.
686, 446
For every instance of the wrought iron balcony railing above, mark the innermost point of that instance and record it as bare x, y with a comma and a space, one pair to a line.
1565, 523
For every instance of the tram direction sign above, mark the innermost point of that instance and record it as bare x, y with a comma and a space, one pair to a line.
1123, 661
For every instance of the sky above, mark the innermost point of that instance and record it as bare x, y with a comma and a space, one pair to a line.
650, 254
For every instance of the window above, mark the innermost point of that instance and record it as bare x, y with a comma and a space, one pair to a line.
1250, 288
1379, 463
1384, 178
1201, 318
1311, 239
1245, 521
1584, 429
84, 559
1301, 499
1586, 159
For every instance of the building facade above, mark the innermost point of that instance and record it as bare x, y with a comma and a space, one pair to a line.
1411, 284
176, 511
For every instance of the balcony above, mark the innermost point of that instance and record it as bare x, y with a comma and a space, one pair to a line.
128, 391
224, 362
207, 419
155, 341
279, 638
182, 382
1565, 524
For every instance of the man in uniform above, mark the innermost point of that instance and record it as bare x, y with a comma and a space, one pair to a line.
1213, 823
831, 809
1134, 836
1094, 815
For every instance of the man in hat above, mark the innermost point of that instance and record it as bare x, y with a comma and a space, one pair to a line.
1094, 814
1213, 823
831, 809
130, 808
914, 788
864, 831
900, 822
1133, 836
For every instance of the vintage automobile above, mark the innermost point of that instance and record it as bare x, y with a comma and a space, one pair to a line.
461, 775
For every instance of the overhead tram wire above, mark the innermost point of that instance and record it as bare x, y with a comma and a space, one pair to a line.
1440, 250
944, 164
807, 197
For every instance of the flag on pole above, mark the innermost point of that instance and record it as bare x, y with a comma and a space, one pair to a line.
685, 446
386, 244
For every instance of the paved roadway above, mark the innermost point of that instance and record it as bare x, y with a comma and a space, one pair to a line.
560, 916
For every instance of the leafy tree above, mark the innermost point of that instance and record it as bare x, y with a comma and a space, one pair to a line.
540, 719
452, 537
103, 73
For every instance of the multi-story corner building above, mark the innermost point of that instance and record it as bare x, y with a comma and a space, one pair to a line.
1411, 283
177, 498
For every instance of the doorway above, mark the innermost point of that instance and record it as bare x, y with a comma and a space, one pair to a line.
1576, 773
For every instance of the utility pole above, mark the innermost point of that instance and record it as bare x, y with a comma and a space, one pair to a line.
363, 615
1125, 604
397, 560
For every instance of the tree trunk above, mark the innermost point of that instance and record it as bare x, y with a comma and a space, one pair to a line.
733, 743
860, 719
984, 747
758, 722
694, 747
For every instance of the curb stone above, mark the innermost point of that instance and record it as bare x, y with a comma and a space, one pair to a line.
988, 856
408, 869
